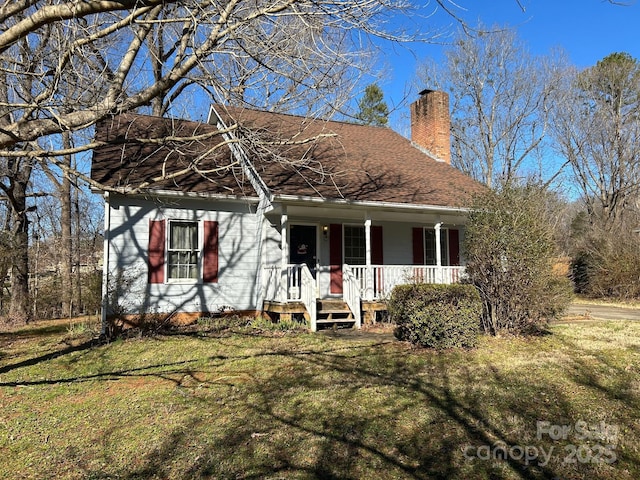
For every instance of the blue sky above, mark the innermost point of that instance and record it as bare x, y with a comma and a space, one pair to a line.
587, 30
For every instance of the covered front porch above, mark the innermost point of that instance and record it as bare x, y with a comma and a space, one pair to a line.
294, 291
338, 266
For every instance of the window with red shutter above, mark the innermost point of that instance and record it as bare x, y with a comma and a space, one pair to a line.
183, 251
176, 244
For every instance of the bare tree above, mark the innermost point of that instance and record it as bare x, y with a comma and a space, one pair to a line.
500, 101
68, 64
16, 170
597, 129
304, 44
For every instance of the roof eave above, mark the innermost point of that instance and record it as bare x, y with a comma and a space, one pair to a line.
367, 204
179, 194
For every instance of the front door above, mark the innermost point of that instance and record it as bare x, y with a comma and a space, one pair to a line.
303, 246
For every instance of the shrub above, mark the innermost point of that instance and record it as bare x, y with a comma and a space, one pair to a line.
436, 316
607, 264
510, 257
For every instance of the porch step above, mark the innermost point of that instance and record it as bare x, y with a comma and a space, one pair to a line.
338, 323
333, 313
332, 305
336, 316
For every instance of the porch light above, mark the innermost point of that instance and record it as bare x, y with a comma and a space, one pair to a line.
325, 231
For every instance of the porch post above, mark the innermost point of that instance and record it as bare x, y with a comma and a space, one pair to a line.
368, 294
438, 253
105, 263
284, 247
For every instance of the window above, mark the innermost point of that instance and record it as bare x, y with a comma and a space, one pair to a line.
354, 245
183, 250
182, 261
430, 247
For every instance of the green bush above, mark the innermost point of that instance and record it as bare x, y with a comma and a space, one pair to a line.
436, 316
510, 254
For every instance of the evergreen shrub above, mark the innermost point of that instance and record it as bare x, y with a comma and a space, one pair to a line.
436, 316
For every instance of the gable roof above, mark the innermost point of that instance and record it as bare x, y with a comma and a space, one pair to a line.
293, 155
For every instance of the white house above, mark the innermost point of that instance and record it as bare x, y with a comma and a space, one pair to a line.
287, 215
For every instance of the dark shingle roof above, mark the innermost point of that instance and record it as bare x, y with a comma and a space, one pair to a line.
293, 155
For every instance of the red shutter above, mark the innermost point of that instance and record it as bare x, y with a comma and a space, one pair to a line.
377, 257
156, 251
454, 247
376, 245
210, 253
418, 246
335, 257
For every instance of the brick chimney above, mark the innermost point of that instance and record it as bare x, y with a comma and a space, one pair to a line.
431, 124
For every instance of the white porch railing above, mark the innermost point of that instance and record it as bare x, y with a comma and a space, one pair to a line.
377, 281
308, 294
352, 293
282, 285
296, 283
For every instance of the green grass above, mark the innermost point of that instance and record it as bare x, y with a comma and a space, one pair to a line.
238, 404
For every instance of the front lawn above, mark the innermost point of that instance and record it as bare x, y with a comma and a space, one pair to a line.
241, 404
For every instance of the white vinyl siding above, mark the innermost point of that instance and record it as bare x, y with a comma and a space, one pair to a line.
238, 256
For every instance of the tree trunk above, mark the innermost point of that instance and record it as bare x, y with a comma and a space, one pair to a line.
77, 295
19, 311
66, 246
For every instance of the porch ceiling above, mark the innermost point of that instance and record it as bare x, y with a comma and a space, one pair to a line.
326, 212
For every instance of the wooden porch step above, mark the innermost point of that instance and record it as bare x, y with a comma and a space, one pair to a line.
334, 312
335, 318
333, 305
331, 322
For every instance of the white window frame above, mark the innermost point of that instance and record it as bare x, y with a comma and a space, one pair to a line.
198, 251
344, 243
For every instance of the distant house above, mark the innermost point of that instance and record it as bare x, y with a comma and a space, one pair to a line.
291, 216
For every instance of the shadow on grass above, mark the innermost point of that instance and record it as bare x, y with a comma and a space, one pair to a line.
361, 410
49, 356
47, 328
281, 436
31, 331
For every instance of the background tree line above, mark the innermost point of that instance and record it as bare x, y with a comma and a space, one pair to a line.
568, 138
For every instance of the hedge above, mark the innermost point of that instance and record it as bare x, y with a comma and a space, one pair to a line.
436, 316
